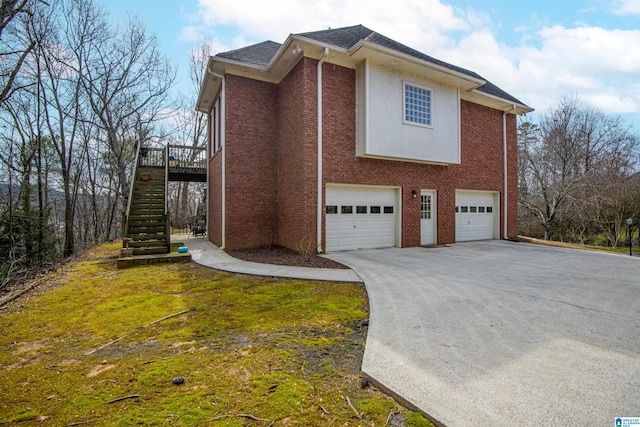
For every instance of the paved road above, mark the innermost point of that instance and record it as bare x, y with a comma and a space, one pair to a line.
501, 334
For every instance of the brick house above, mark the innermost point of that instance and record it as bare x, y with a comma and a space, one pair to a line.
345, 139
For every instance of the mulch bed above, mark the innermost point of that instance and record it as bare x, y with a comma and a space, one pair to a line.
284, 256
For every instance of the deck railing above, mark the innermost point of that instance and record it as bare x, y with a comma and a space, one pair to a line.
151, 157
178, 158
185, 159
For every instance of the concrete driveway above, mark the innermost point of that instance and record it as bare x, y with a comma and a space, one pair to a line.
498, 333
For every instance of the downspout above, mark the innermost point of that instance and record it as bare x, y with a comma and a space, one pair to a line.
504, 161
319, 121
223, 146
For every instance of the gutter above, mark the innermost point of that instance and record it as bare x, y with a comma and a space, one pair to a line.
477, 81
325, 53
504, 161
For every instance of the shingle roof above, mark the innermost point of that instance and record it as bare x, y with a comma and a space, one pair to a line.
346, 38
257, 54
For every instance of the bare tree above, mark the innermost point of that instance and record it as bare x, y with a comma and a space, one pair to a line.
564, 160
191, 129
15, 45
128, 89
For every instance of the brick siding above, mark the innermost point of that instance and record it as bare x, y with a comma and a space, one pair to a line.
251, 163
272, 160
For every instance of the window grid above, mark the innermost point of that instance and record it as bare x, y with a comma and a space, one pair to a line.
417, 105
425, 207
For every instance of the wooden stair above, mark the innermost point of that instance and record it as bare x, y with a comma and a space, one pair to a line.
147, 227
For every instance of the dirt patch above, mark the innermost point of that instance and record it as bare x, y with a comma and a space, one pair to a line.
279, 255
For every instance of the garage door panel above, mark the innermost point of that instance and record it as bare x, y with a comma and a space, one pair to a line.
366, 226
475, 219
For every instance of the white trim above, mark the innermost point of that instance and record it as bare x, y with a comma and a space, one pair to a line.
429, 125
434, 213
459, 128
223, 147
367, 107
319, 121
505, 192
512, 106
363, 43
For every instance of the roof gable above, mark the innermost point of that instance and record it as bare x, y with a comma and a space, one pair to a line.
257, 54
349, 38
345, 37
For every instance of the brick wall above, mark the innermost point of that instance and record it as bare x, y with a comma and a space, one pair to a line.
297, 159
251, 159
214, 222
271, 158
481, 167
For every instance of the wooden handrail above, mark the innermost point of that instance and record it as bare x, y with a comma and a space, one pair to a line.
125, 231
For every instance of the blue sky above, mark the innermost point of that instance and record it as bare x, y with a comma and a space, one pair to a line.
539, 51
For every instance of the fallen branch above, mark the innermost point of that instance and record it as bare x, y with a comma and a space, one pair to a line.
140, 327
118, 399
247, 416
391, 414
79, 423
103, 346
167, 317
354, 409
15, 294
165, 358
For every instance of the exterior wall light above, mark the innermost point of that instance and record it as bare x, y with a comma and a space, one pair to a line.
414, 193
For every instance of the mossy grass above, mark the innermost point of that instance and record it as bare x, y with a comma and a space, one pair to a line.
287, 351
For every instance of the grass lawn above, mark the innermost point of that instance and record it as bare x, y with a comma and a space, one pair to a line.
99, 346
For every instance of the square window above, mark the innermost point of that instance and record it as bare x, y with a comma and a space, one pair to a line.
417, 105
489, 209
375, 209
361, 209
480, 209
464, 209
388, 209
457, 209
332, 210
472, 209
346, 209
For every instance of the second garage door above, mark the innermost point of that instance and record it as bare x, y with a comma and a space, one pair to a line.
360, 218
476, 216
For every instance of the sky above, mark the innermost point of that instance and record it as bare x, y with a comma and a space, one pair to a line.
539, 51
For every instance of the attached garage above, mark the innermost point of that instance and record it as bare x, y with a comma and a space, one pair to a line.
477, 216
361, 217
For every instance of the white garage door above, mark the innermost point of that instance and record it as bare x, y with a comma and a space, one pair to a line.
476, 215
359, 218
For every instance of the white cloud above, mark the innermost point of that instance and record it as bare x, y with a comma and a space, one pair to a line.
190, 34
626, 7
543, 65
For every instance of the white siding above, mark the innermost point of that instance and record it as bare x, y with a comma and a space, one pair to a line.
381, 131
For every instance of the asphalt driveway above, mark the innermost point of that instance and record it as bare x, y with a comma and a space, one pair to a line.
499, 333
